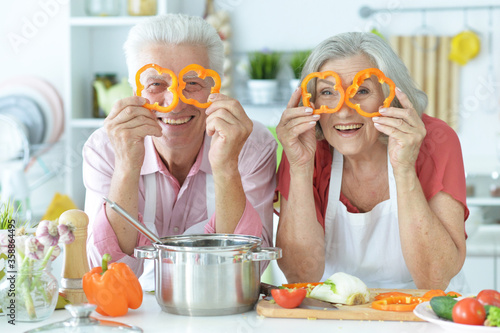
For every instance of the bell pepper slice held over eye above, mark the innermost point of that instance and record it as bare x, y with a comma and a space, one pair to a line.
172, 88
306, 96
359, 78
114, 290
398, 303
202, 74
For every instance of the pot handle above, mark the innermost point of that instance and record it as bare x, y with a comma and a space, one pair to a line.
265, 253
146, 252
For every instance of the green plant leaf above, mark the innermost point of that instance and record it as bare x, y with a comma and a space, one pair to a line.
264, 66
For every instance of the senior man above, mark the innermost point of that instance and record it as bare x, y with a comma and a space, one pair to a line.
190, 170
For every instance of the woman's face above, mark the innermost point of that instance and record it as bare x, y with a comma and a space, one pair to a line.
346, 130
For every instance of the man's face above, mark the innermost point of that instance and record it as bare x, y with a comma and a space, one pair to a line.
183, 127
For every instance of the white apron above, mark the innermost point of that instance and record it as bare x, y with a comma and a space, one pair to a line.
367, 245
147, 278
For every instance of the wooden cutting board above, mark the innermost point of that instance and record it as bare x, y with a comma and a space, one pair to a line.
354, 312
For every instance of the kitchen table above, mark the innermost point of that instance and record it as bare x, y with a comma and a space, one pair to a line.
151, 318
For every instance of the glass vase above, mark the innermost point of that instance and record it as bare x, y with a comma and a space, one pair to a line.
30, 293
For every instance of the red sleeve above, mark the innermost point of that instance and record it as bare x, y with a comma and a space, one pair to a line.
440, 165
321, 178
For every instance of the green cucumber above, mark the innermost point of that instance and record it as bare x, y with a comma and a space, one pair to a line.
443, 306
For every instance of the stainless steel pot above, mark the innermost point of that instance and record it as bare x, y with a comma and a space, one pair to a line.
207, 274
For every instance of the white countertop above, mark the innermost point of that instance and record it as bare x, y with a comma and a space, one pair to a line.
485, 241
151, 318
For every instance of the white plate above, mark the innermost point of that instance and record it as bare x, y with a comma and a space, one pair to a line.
425, 312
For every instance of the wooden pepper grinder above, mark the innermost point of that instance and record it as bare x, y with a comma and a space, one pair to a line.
75, 257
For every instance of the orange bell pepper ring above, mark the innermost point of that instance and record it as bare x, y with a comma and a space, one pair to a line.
172, 88
359, 78
392, 294
433, 293
113, 290
398, 303
202, 74
306, 96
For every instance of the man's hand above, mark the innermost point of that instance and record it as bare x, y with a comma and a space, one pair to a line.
229, 126
127, 125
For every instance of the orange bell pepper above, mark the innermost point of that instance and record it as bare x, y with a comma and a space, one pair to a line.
306, 96
114, 290
202, 74
359, 78
397, 303
433, 293
392, 294
172, 88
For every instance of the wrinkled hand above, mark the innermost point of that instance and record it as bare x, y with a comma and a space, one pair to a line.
127, 125
296, 132
406, 132
229, 126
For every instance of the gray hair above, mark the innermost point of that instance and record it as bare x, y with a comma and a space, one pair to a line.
380, 54
173, 29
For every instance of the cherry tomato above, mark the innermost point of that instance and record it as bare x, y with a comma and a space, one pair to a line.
288, 298
468, 311
489, 297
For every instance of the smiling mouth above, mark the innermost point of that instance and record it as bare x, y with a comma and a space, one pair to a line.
344, 128
178, 121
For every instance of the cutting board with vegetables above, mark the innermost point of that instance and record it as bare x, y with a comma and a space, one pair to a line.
354, 312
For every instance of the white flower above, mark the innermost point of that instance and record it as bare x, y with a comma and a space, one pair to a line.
66, 233
34, 248
55, 252
47, 233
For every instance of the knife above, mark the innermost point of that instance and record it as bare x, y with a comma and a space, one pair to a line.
307, 303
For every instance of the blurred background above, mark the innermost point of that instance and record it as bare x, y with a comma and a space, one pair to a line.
62, 67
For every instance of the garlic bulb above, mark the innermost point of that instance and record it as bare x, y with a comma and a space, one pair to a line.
342, 288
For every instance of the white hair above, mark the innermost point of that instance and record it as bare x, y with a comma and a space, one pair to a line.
380, 54
173, 29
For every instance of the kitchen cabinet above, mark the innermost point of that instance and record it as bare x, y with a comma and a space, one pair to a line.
95, 46
482, 263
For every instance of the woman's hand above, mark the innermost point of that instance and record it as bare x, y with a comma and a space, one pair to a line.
296, 132
127, 125
406, 133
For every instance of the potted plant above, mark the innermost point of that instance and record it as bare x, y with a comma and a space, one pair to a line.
263, 70
297, 61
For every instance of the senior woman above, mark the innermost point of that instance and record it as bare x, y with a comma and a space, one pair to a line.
382, 198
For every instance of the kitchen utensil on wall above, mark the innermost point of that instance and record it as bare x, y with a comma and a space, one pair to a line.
207, 274
465, 45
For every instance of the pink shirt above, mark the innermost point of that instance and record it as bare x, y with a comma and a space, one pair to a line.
178, 207
439, 167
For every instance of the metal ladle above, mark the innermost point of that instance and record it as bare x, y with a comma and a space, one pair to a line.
136, 224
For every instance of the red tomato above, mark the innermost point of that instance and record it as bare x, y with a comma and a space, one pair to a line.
489, 297
288, 298
468, 311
